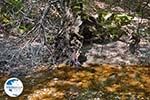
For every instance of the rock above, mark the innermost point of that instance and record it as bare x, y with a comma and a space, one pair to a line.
118, 53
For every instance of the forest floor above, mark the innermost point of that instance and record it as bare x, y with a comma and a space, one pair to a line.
98, 82
117, 80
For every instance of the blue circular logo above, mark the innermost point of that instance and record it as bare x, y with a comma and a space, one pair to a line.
13, 87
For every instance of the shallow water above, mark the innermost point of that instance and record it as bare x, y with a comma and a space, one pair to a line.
102, 82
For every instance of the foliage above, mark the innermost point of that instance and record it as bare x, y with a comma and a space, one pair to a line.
112, 22
12, 15
50, 22
55, 24
107, 24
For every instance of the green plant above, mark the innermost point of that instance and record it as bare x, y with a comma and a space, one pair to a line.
112, 22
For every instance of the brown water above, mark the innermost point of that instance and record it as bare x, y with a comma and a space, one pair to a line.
105, 82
